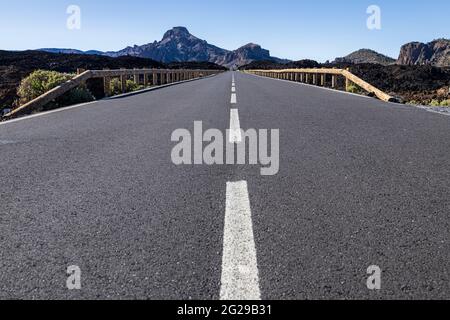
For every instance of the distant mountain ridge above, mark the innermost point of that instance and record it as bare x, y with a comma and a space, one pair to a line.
435, 53
178, 45
366, 56
72, 51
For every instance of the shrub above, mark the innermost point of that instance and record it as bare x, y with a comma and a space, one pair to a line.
435, 103
445, 103
133, 86
353, 88
77, 95
414, 102
116, 86
41, 81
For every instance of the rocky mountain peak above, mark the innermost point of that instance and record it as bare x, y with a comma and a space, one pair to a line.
251, 46
177, 32
366, 56
436, 53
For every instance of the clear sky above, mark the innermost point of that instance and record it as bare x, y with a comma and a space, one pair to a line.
293, 29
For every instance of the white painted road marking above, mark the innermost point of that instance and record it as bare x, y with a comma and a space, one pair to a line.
233, 98
233, 89
3, 142
239, 264
235, 127
48, 112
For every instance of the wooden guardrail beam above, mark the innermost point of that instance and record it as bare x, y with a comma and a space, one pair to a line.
367, 86
165, 76
307, 73
51, 95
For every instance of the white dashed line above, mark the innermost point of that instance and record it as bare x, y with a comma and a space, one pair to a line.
239, 265
233, 98
235, 127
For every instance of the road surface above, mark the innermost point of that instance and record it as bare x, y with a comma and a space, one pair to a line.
361, 183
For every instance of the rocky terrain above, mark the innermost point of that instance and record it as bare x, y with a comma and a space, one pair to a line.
435, 53
194, 65
179, 45
14, 66
419, 84
366, 56
270, 64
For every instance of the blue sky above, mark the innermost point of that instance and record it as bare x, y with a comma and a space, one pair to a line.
293, 29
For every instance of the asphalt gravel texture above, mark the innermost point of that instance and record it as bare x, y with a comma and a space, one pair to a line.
361, 183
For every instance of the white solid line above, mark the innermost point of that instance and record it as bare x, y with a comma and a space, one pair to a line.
48, 112
233, 98
239, 263
235, 127
429, 109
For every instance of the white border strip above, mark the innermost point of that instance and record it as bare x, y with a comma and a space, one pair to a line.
430, 109
48, 112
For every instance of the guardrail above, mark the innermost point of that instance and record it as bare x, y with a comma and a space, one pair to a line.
147, 77
313, 75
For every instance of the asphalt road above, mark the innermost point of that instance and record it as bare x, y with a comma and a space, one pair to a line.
361, 183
